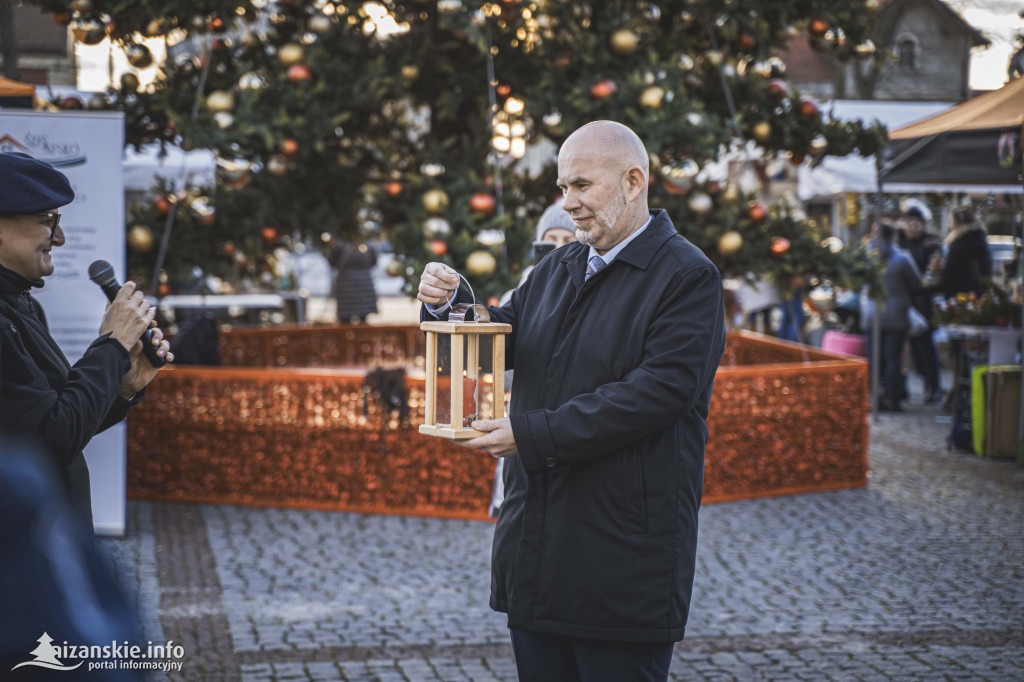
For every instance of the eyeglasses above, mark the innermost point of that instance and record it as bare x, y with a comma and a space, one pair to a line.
52, 221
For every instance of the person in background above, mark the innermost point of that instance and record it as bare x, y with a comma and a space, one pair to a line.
901, 281
354, 292
924, 247
968, 262
44, 400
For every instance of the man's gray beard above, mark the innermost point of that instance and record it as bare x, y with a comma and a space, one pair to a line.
584, 237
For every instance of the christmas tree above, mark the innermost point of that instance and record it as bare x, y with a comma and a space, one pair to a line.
409, 118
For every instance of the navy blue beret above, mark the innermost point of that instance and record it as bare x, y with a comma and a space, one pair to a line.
28, 185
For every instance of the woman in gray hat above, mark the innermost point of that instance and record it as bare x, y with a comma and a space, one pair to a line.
44, 399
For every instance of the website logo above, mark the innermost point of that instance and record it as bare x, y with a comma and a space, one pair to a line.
163, 657
46, 656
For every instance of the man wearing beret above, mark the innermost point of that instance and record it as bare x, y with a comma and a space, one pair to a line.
43, 398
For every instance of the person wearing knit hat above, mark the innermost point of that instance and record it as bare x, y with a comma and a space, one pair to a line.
555, 225
44, 400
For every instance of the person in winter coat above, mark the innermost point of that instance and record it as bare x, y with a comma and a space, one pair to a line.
901, 281
968, 262
354, 292
615, 343
924, 247
44, 400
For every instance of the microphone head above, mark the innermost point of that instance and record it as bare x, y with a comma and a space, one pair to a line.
101, 272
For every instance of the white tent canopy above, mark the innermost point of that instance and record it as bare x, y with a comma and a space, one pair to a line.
838, 175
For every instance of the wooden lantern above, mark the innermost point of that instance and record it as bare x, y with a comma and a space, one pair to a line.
465, 338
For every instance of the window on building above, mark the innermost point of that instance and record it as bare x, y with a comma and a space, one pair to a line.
907, 50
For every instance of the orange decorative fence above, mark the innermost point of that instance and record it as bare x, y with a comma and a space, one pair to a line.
784, 418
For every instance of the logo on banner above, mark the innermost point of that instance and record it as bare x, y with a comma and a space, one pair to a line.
54, 152
113, 657
1006, 149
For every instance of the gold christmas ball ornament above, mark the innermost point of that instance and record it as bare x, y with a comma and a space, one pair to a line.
251, 81
410, 72
292, 53
319, 24
864, 50
139, 56
436, 227
481, 263
686, 62
203, 210
220, 101
624, 41
700, 203
833, 244
277, 165
81, 6
435, 201
140, 239
762, 131
153, 29
818, 145
223, 119
129, 82
730, 242
88, 30
652, 97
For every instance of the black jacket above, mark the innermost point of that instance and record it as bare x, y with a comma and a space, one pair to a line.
968, 262
597, 535
46, 400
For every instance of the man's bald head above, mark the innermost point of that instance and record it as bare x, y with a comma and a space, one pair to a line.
603, 173
614, 142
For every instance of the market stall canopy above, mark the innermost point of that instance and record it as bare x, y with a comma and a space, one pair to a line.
975, 146
837, 175
15, 95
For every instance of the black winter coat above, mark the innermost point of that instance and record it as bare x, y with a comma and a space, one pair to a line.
46, 400
597, 535
967, 263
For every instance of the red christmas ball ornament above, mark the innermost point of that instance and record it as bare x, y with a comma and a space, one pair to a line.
162, 204
808, 108
757, 212
503, 90
818, 27
269, 235
298, 73
780, 245
71, 103
482, 203
228, 249
563, 60
164, 288
393, 188
602, 89
777, 89
289, 147
216, 24
438, 247
746, 42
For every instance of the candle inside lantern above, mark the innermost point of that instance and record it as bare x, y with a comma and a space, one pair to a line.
468, 400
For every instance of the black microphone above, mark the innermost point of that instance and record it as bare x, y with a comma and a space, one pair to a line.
102, 273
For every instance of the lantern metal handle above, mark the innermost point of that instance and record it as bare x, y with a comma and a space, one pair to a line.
459, 310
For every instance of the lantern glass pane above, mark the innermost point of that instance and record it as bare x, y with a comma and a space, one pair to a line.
476, 377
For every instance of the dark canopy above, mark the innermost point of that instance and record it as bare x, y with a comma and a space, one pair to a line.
977, 142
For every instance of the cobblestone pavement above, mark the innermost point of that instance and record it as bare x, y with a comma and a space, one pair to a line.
919, 576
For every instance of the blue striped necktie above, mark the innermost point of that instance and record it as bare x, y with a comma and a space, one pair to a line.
594, 266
